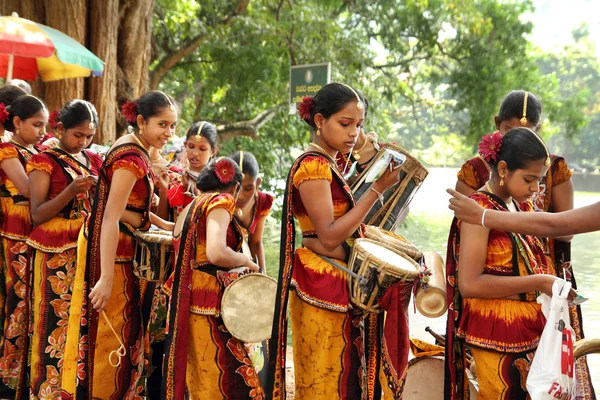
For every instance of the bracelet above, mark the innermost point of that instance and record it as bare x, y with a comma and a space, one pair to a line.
379, 194
483, 217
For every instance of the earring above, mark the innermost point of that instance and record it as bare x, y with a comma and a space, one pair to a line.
319, 131
501, 181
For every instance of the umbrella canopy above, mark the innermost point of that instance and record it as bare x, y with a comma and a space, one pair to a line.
28, 49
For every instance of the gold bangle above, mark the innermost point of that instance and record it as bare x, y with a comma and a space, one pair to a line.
379, 194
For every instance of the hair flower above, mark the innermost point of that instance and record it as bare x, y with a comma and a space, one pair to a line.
53, 119
305, 107
490, 145
3, 113
129, 111
225, 170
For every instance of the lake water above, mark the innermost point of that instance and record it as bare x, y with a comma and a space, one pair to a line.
431, 203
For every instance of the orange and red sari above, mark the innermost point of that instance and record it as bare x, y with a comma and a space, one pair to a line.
200, 352
88, 372
336, 348
501, 334
475, 173
15, 226
54, 261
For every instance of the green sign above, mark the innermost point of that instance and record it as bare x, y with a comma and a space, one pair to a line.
307, 80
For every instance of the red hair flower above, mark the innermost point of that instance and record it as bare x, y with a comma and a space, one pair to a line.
225, 170
53, 120
305, 107
3, 113
490, 145
129, 111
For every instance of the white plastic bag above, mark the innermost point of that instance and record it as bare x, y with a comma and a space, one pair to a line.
552, 371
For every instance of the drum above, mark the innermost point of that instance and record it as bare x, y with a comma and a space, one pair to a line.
397, 198
153, 251
392, 240
432, 301
248, 307
425, 379
380, 267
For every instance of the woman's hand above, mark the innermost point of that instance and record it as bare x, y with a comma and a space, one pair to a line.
163, 180
252, 266
465, 208
100, 294
81, 184
390, 177
548, 282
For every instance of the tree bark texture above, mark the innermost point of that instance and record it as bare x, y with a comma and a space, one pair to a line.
119, 32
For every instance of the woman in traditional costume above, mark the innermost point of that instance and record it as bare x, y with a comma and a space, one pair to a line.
61, 182
27, 117
104, 353
494, 277
556, 194
8, 94
334, 345
200, 350
253, 206
201, 145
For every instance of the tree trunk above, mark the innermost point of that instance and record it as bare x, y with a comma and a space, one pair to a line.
102, 91
69, 17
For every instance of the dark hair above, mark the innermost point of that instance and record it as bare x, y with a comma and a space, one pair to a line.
208, 132
512, 107
20, 83
9, 93
151, 104
75, 112
207, 180
249, 164
520, 146
330, 100
24, 107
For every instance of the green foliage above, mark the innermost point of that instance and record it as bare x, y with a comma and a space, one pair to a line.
431, 69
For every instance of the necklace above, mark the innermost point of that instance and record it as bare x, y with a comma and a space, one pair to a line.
139, 141
488, 187
322, 150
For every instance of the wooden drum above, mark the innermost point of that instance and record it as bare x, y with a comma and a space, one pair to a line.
153, 255
431, 301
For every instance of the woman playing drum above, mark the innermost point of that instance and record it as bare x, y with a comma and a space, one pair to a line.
494, 277
253, 205
329, 350
62, 181
200, 350
93, 366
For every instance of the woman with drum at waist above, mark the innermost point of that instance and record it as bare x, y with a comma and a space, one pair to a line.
201, 144
27, 117
103, 354
329, 347
61, 182
253, 206
200, 350
494, 277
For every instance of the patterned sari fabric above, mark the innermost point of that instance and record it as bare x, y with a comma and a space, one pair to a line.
502, 333
54, 260
15, 226
336, 349
98, 373
474, 173
199, 349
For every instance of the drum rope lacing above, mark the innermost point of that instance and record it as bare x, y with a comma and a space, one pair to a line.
121, 351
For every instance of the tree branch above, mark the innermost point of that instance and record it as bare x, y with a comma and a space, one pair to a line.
172, 58
247, 128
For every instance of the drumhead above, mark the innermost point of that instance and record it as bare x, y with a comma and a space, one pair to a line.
155, 236
248, 307
386, 255
425, 379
